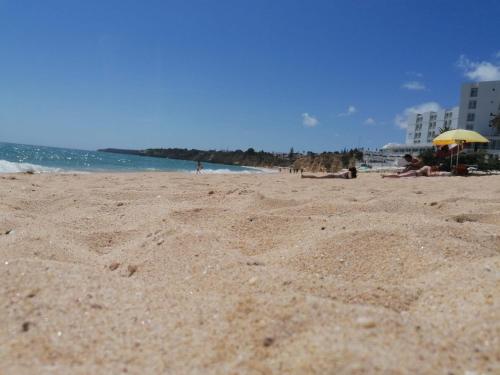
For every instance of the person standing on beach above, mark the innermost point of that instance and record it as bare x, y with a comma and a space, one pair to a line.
199, 167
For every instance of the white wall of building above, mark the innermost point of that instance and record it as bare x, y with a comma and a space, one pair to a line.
477, 102
424, 127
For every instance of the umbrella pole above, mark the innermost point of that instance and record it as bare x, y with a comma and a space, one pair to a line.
451, 161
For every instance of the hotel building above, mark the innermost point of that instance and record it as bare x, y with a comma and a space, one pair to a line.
424, 127
478, 102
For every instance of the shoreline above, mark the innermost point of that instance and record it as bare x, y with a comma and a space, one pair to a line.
28, 168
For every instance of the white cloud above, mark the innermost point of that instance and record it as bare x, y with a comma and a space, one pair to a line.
390, 144
350, 111
414, 85
401, 119
415, 74
309, 121
370, 121
479, 70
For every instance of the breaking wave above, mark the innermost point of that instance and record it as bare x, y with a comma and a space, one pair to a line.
11, 167
224, 171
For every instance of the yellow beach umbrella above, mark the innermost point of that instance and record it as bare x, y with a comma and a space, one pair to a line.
458, 137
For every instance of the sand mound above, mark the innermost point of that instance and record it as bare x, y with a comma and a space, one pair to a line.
258, 274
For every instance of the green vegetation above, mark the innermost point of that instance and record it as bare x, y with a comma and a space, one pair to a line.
330, 161
444, 129
249, 157
480, 159
495, 122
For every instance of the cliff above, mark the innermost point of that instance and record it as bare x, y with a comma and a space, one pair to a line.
326, 161
249, 157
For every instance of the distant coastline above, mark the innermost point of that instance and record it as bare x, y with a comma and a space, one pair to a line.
310, 161
250, 157
19, 158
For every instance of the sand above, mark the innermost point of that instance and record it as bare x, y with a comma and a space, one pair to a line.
249, 274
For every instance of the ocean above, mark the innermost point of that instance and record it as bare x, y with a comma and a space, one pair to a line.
15, 158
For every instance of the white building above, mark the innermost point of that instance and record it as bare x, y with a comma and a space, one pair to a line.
478, 101
424, 127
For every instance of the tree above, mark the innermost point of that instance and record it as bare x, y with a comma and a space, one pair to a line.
290, 154
346, 159
444, 129
495, 122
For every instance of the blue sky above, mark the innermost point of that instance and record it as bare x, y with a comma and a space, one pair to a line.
228, 74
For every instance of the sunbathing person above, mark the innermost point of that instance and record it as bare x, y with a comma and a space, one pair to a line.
344, 173
424, 171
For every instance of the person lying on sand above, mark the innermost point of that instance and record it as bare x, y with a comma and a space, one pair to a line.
344, 173
424, 171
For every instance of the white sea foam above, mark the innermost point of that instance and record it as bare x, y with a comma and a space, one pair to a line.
264, 170
11, 167
14, 167
224, 171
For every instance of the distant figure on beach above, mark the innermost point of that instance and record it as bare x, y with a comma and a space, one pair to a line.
425, 171
344, 173
199, 167
413, 163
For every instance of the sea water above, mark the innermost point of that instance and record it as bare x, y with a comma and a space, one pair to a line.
16, 158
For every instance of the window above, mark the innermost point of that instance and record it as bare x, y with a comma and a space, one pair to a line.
472, 104
473, 92
469, 126
471, 116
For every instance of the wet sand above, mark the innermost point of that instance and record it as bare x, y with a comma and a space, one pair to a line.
249, 274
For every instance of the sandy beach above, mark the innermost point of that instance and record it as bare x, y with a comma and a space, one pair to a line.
249, 274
